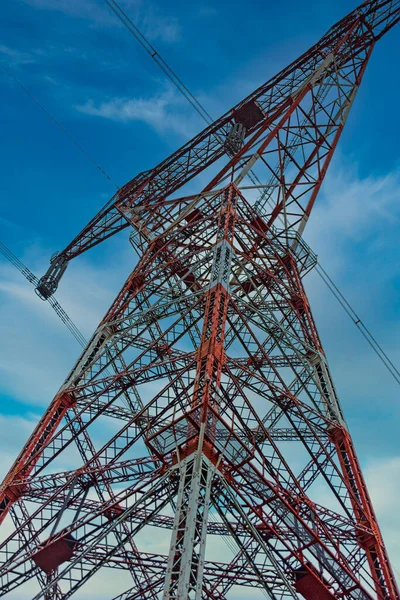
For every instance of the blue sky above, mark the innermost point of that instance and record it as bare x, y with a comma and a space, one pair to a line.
95, 79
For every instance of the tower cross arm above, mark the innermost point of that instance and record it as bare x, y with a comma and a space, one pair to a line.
142, 202
380, 16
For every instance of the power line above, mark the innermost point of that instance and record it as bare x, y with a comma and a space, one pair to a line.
58, 124
173, 77
7, 252
31, 277
27, 273
158, 59
365, 332
183, 89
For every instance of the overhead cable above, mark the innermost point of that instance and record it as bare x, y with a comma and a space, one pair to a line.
158, 59
27, 273
365, 332
173, 77
58, 124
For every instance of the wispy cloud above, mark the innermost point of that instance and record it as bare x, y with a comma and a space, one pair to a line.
35, 343
162, 112
156, 26
207, 11
15, 431
350, 204
147, 17
83, 9
354, 212
7, 223
34, 338
14, 57
354, 231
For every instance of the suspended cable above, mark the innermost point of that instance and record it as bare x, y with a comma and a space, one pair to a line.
173, 77
6, 252
149, 48
365, 332
27, 273
58, 124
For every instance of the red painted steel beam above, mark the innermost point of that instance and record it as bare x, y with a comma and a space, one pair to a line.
372, 543
147, 192
33, 449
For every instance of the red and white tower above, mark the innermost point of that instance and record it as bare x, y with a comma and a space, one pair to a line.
203, 405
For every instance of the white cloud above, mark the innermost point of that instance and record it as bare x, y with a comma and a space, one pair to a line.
37, 350
15, 58
354, 231
147, 17
15, 430
163, 112
351, 207
154, 26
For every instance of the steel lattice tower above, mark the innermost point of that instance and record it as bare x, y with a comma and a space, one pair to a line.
203, 403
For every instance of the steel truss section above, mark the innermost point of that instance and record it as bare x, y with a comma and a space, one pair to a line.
203, 407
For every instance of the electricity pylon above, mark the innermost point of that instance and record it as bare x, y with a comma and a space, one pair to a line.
203, 404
